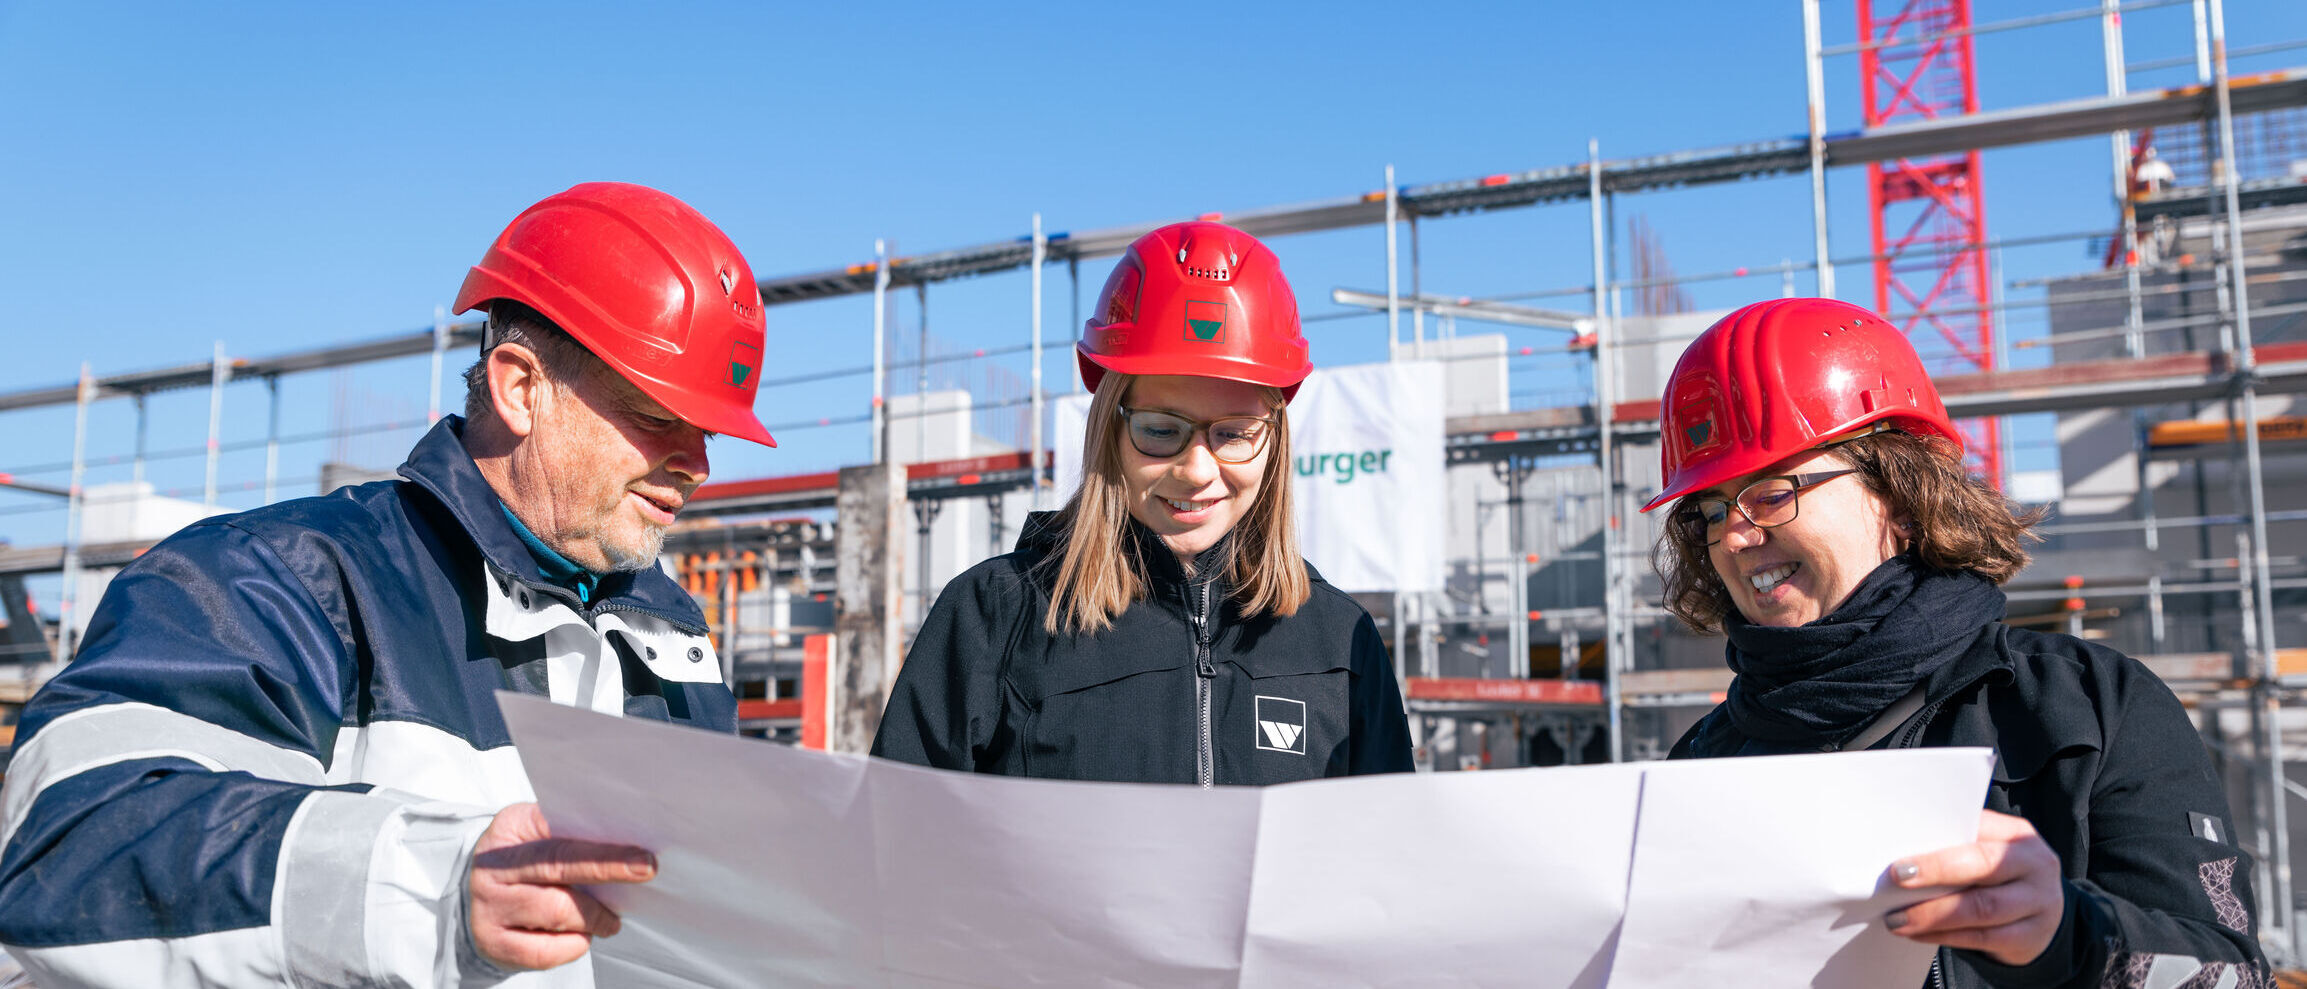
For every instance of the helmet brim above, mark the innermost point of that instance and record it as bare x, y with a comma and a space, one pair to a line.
1721, 469
720, 418
1195, 366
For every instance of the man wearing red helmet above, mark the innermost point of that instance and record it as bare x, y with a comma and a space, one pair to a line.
1824, 521
1162, 627
278, 757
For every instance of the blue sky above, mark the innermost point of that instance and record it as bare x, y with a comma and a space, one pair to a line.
283, 176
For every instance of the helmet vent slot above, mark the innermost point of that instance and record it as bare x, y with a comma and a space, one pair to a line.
1214, 274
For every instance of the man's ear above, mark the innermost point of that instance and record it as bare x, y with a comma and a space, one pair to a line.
518, 387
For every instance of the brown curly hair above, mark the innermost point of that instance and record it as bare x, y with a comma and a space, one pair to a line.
1953, 522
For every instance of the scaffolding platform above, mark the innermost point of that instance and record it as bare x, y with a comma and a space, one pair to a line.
1566, 183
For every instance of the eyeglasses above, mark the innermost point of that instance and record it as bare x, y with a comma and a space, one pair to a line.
1767, 502
1162, 435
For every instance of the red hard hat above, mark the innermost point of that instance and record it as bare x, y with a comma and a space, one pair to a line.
1776, 378
648, 285
1202, 299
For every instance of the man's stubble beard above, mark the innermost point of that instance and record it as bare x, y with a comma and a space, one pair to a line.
622, 558
644, 556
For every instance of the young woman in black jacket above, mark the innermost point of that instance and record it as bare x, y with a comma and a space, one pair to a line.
1162, 627
1824, 520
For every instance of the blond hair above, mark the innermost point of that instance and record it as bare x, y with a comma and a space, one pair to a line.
1098, 572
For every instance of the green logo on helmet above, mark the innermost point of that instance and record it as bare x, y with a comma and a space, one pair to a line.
1206, 322
744, 359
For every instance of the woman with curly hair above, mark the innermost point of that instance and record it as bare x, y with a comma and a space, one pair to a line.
1823, 520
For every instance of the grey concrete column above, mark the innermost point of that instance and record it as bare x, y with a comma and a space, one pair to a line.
868, 644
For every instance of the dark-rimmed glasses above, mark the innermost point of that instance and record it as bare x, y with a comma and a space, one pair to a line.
1162, 435
1766, 502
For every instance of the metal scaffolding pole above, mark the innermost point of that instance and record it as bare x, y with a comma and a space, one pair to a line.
1418, 313
1610, 253
2269, 687
67, 611
2119, 143
921, 383
2134, 313
1393, 275
1073, 273
1605, 367
1040, 254
440, 352
880, 353
216, 378
143, 421
925, 512
272, 437
2202, 41
1815, 75
1516, 475
1401, 622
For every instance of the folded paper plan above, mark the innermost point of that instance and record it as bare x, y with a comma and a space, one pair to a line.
780, 866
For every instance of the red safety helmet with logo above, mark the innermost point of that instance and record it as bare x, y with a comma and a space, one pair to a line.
1776, 378
648, 285
1201, 299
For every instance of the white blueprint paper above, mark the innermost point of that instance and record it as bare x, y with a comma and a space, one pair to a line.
1749, 870
723, 815
999, 881
779, 866
1513, 878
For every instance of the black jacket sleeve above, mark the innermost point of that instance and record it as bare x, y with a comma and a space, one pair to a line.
1381, 730
947, 701
2164, 875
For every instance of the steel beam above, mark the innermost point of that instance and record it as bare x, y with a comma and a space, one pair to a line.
204, 374
1563, 183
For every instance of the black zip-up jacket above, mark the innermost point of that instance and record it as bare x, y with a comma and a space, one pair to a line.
1182, 689
2095, 752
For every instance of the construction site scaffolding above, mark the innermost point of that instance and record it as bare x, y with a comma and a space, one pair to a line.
2234, 373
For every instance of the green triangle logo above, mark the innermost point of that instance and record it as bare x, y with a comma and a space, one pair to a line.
1206, 321
744, 359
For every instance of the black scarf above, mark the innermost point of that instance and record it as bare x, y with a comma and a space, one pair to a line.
1820, 684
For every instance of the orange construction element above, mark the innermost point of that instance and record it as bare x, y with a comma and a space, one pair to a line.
816, 691
2192, 432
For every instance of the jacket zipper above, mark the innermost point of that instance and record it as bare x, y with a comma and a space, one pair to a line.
646, 613
1914, 728
1205, 763
1906, 740
592, 610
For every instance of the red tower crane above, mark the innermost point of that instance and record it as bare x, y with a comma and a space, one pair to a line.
1931, 276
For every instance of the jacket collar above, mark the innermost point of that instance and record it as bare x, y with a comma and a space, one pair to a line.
440, 465
1984, 660
1165, 577
1161, 565
2029, 720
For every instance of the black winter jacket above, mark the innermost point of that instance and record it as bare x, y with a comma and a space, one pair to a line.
2097, 754
1182, 689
